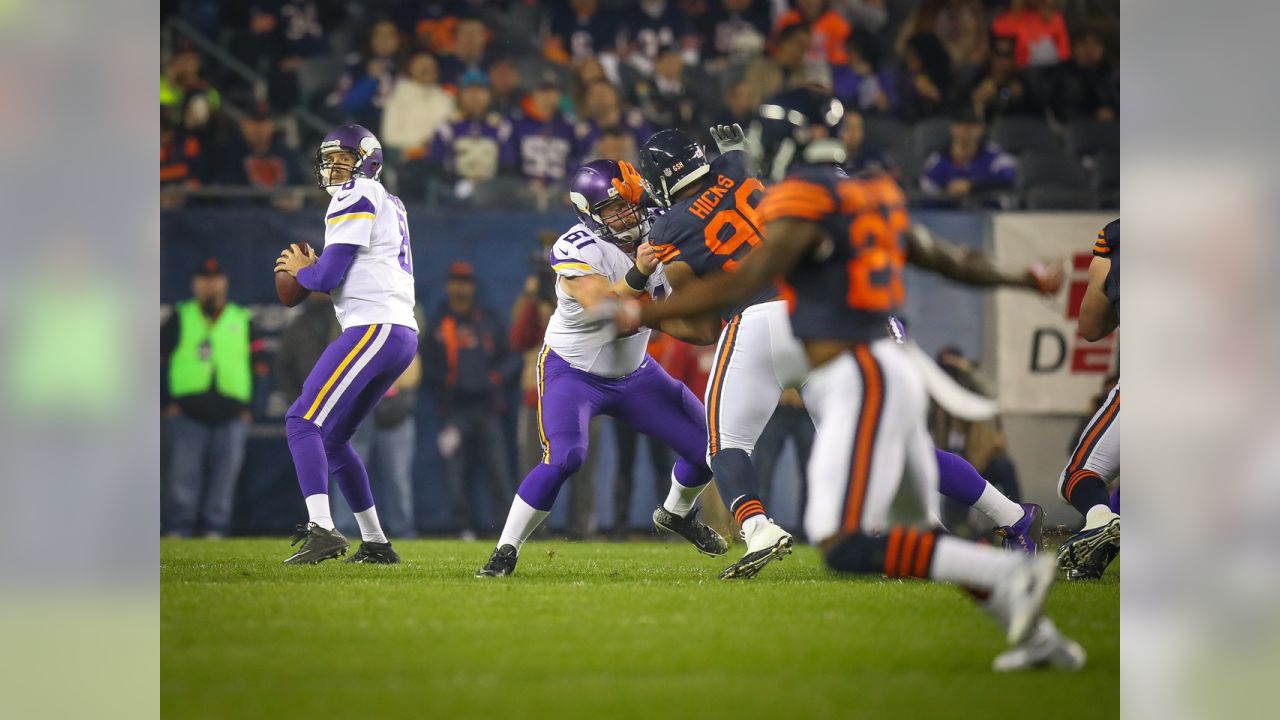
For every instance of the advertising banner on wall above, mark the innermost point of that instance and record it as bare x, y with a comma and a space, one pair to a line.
1042, 363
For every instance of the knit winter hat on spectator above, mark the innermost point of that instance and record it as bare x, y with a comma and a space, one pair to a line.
209, 267
473, 77
461, 270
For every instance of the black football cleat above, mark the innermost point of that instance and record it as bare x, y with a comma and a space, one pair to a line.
1091, 550
318, 545
702, 535
375, 553
501, 563
1096, 566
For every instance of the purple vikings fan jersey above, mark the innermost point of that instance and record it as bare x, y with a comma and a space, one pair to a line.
545, 149
715, 229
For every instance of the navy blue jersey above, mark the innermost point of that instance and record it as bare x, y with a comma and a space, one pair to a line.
713, 230
847, 287
1108, 246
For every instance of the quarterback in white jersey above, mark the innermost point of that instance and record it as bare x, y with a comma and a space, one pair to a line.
585, 369
367, 268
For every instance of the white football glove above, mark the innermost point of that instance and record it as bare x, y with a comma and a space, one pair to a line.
729, 137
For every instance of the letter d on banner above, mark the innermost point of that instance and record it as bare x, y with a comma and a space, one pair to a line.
1051, 339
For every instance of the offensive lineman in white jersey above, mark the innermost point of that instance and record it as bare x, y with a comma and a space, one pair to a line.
585, 369
367, 268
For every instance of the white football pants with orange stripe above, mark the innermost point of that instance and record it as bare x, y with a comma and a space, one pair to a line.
869, 407
756, 359
1097, 452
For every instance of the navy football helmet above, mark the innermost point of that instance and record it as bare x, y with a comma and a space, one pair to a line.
352, 139
797, 126
669, 162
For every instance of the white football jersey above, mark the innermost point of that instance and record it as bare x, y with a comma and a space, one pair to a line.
595, 347
379, 286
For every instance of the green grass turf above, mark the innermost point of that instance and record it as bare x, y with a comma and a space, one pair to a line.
596, 630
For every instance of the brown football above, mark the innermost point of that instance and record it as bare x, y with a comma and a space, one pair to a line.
289, 290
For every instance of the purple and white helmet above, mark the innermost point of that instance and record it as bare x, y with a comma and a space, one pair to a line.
353, 139
601, 208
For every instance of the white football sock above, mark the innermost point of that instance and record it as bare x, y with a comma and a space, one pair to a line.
754, 523
970, 564
318, 510
370, 528
521, 522
680, 499
1098, 516
999, 508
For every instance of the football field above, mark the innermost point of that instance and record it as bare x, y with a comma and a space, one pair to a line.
597, 630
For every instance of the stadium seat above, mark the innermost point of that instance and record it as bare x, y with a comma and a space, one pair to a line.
1020, 135
317, 76
885, 133
1043, 170
1090, 137
1059, 198
931, 135
1106, 172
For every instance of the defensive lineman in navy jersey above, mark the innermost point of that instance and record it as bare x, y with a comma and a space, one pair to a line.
710, 226
838, 244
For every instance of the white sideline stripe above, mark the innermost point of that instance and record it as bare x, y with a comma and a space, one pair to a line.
374, 347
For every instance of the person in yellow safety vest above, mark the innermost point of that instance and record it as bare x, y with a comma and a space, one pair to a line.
208, 345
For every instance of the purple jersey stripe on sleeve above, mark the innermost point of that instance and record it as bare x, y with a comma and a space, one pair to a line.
361, 205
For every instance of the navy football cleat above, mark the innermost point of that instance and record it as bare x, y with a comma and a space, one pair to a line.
1086, 555
501, 563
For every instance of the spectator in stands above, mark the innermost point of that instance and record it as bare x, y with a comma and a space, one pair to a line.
585, 74
416, 109
734, 31
363, 89
211, 349
858, 156
473, 148
470, 50
859, 83
545, 142
970, 164
670, 98
785, 65
923, 89
1086, 86
259, 158
282, 34
181, 161
790, 421
604, 109
303, 341
464, 350
435, 23
581, 29
504, 87
961, 26
614, 143
190, 99
650, 28
740, 102
1002, 89
1039, 32
828, 30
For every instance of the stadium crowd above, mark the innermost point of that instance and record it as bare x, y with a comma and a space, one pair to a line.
486, 103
